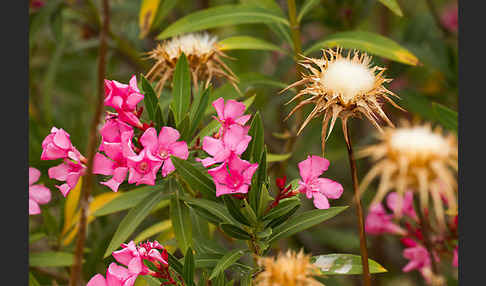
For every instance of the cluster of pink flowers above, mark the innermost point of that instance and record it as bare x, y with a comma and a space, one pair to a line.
132, 256
38, 193
403, 221
118, 155
234, 174
321, 189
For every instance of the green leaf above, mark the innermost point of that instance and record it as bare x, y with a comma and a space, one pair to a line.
197, 112
254, 150
188, 269
264, 200
50, 259
174, 263
194, 177
181, 92
152, 12
370, 42
306, 7
32, 280
128, 200
151, 281
279, 220
344, 264
304, 221
235, 231
184, 128
278, 157
150, 99
234, 208
445, 116
133, 219
215, 209
181, 222
221, 16
247, 43
153, 230
393, 6
209, 129
257, 181
226, 261
284, 206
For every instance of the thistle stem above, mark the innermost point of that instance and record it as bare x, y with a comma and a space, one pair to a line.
87, 186
359, 209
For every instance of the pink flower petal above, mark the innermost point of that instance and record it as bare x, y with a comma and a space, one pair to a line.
233, 109
312, 167
65, 189
149, 139
97, 280
59, 172
330, 188
61, 139
103, 165
40, 194
167, 136
34, 175
218, 104
320, 201
243, 119
179, 149
34, 207
167, 167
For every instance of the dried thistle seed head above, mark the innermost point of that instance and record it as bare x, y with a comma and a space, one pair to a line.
289, 269
418, 158
203, 55
343, 86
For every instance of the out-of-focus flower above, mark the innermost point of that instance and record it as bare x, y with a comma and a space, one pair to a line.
230, 113
407, 205
115, 276
233, 176
415, 158
378, 222
203, 55
289, 269
311, 185
342, 87
449, 18
234, 141
164, 146
124, 99
455, 258
38, 193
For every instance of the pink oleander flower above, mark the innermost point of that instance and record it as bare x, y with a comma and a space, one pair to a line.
449, 18
321, 189
164, 146
69, 171
234, 141
230, 113
455, 258
124, 99
233, 176
132, 256
143, 168
112, 130
57, 145
38, 193
407, 205
114, 165
115, 276
378, 222
419, 259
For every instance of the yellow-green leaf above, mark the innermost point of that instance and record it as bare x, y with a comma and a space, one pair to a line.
50, 259
369, 42
72, 201
277, 157
148, 9
221, 16
393, 6
153, 230
246, 43
344, 264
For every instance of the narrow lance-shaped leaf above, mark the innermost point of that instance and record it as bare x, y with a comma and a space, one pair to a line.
212, 207
235, 231
181, 222
369, 42
344, 264
246, 43
221, 16
181, 92
393, 6
445, 116
189, 267
197, 111
150, 99
194, 177
306, 7
133, 219
304, 221
50, 259
226, 261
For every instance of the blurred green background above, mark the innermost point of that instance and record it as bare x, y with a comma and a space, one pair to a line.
63, 46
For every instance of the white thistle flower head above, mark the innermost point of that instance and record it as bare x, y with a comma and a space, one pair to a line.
342, 86
415, 158
202, 53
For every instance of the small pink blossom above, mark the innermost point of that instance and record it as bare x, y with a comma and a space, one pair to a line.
112, 130
234, 141
132, 256
321, 189
449, 18
124, 99
392, 201
164, 146
115, 165
69, 171
230, 113
378, 222
115, 276
38, 193
455, 258
143, 168
57, 145
233, 176
419, 258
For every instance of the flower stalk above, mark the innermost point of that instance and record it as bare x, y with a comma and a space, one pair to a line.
359, 208
87, 186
